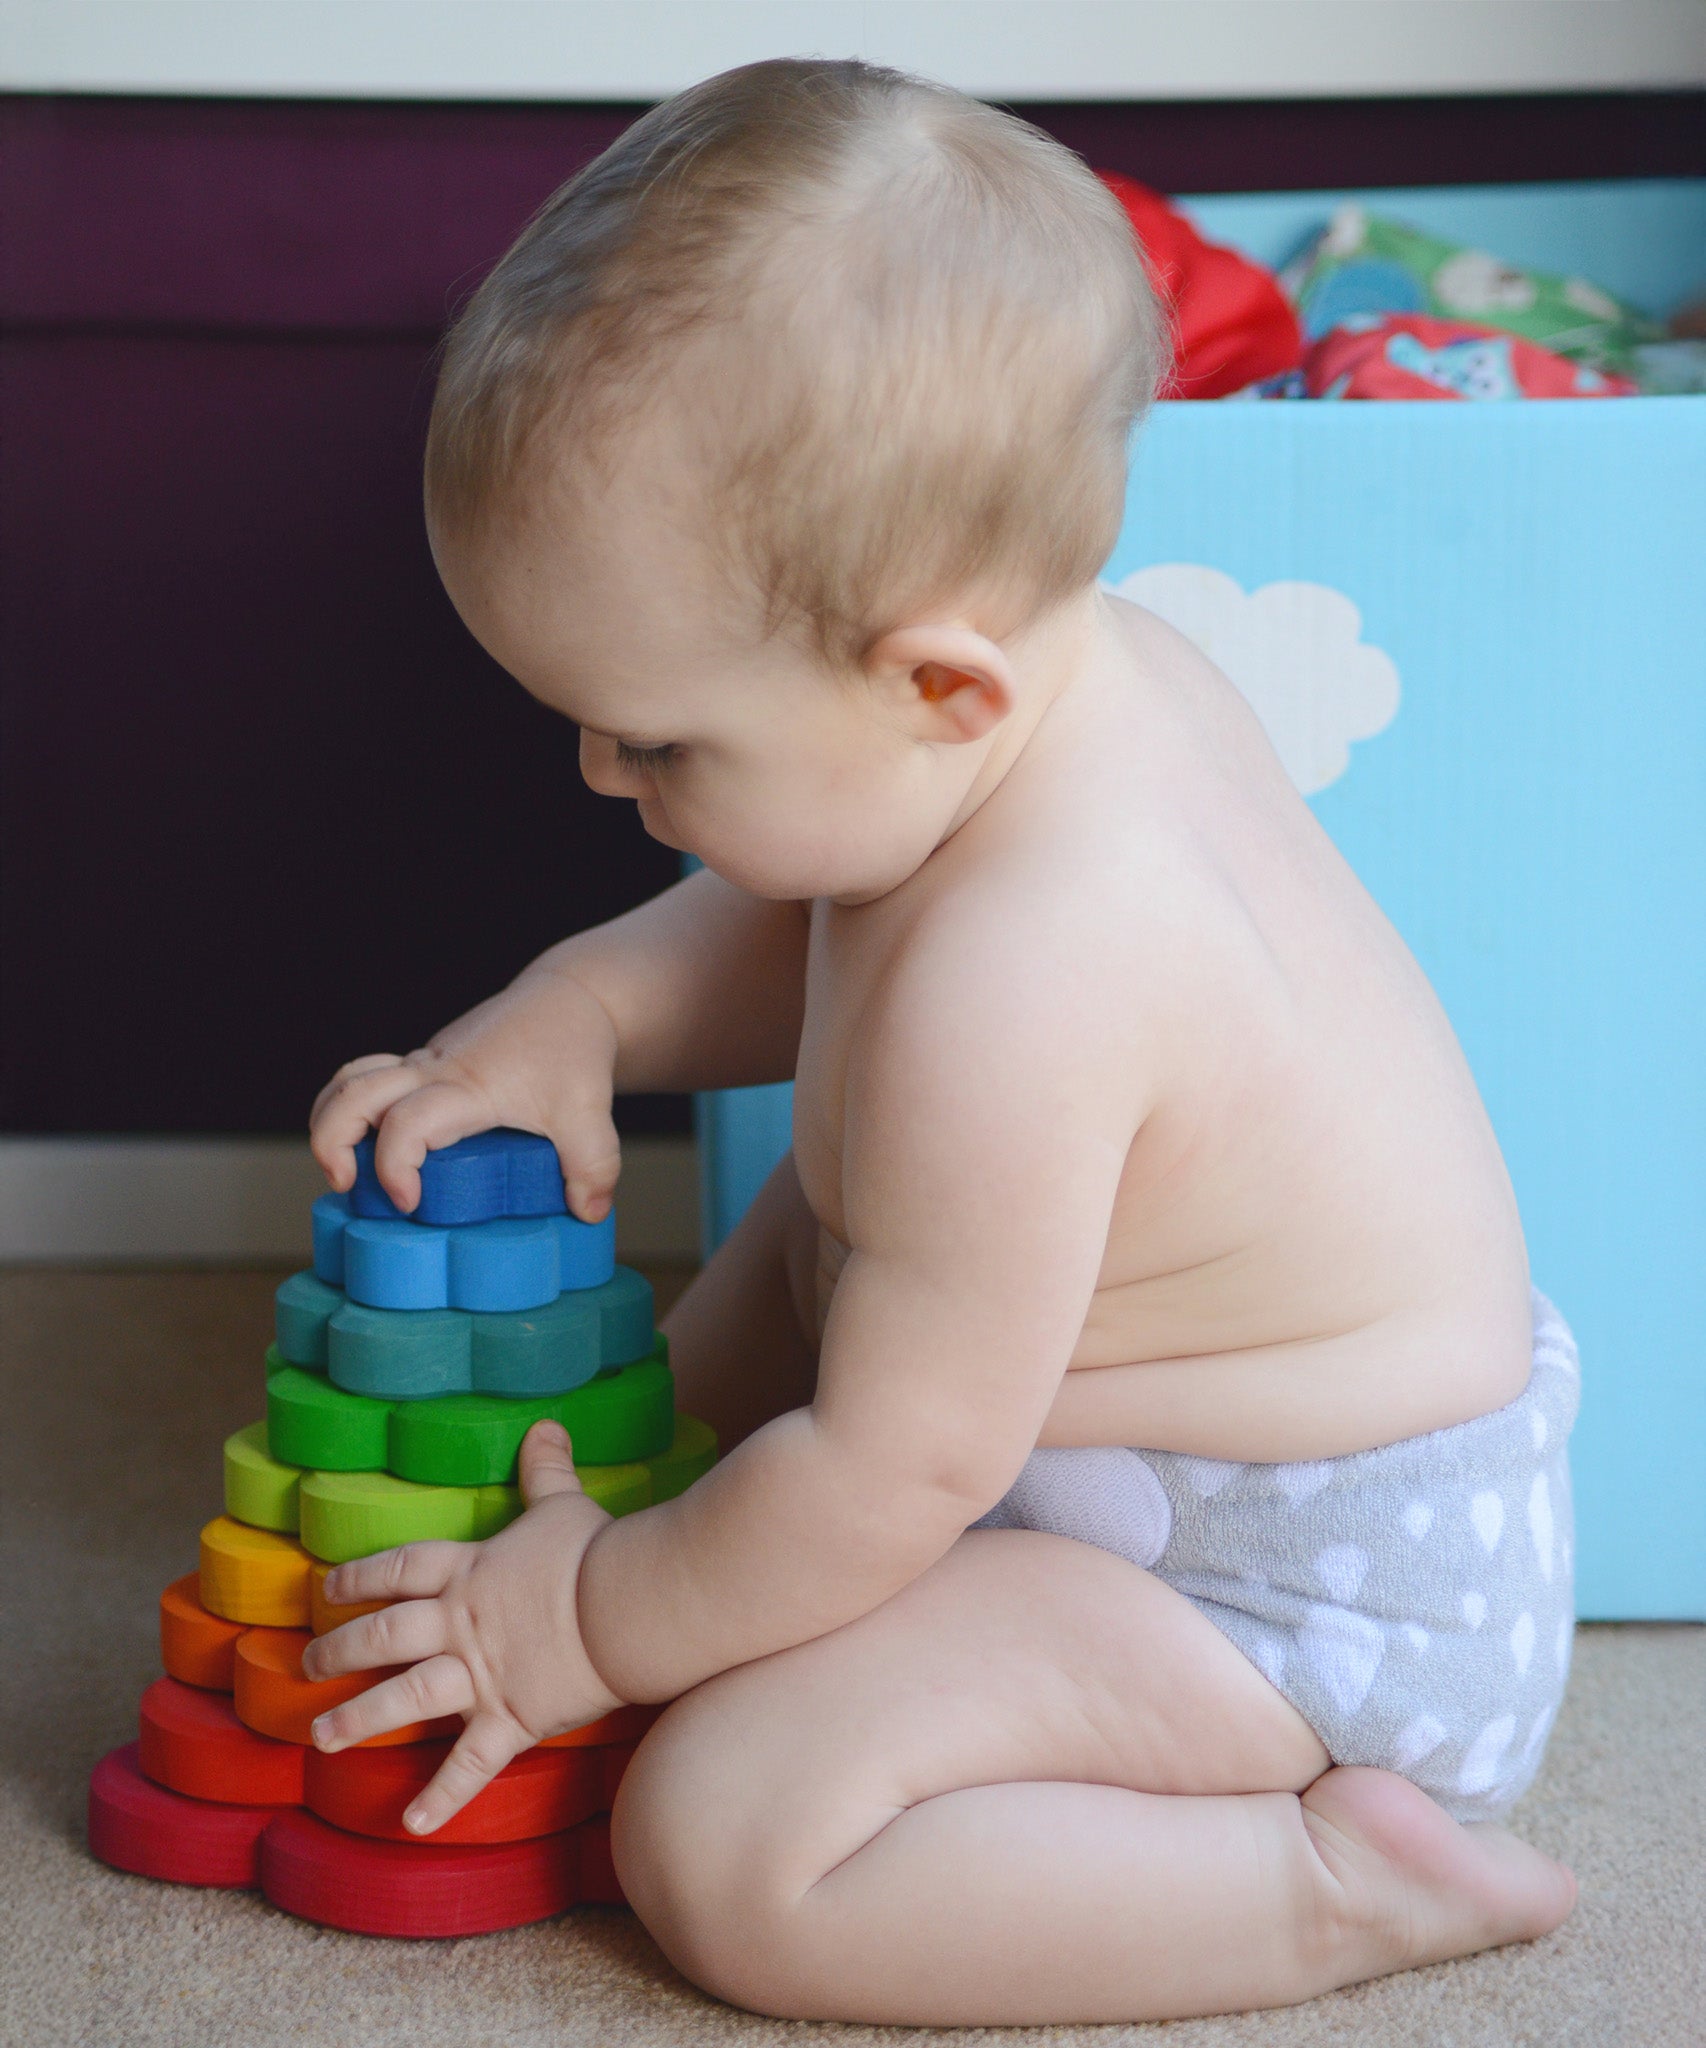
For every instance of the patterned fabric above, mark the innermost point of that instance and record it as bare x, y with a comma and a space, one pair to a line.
1408, 355
1415, 1603
1362, 264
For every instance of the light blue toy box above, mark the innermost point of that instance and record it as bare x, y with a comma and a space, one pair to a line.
1487, 668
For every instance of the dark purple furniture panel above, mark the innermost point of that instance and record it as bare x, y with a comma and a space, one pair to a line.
263, 804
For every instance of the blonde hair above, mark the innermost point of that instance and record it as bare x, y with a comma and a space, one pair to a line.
932, 331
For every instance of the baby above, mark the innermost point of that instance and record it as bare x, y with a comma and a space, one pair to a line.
781, 453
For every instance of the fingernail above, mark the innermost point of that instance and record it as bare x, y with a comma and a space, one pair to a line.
321, 1731
415, 1821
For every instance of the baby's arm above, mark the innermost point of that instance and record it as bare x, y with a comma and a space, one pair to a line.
703, 987
982, 1157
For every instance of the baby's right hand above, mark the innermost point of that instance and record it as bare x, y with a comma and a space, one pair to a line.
535, 1058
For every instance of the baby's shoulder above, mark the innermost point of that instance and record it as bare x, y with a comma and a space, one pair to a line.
1032, 950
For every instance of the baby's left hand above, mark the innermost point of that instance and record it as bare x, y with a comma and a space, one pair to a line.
491, 1630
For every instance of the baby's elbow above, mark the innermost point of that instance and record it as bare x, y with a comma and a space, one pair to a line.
962, 1482
931, 1485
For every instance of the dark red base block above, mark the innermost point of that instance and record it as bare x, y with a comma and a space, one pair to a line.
137, 1825
600, 1886
416, 1889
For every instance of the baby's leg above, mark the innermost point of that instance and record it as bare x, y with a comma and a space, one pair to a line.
1037, 1786
740, 1339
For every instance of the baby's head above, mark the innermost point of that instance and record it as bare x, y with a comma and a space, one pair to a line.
779, 434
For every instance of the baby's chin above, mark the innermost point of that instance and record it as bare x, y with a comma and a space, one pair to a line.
801, 881
657, 825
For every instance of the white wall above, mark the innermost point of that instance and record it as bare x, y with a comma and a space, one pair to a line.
1007, 49
247, 1199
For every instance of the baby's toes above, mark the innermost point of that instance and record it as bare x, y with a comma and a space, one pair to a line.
1414, 1885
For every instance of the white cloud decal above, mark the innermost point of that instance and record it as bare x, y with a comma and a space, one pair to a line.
1293, 649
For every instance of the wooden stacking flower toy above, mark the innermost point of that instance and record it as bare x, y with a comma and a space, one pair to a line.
406, 1368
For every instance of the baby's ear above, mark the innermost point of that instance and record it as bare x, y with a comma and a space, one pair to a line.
945, 683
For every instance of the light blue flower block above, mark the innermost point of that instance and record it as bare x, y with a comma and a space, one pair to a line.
491, 1267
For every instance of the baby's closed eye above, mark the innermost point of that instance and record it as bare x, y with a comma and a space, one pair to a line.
648, 760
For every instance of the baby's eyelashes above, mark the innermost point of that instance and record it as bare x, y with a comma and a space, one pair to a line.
646, 760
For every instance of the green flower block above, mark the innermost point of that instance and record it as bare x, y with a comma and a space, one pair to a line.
466, 1439
353, 1514
259, 1489
311, 1422
473, 1439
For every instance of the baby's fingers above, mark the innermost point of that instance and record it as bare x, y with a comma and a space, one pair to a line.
440, 1686
487, 1743
591, 1156
547, 1463
404, 1634
433, 1115
354, 1070
350, 1105
416, 1571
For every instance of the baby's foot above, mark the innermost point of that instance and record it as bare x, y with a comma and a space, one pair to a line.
1414, 1886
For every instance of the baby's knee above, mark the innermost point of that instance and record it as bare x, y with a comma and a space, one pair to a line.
692, 1861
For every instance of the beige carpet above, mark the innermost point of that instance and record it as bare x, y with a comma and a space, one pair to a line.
118, 1391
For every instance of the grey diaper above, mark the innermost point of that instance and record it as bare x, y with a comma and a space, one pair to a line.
1414, 1603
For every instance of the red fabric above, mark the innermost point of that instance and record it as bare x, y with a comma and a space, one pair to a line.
1231, 322
1414, 355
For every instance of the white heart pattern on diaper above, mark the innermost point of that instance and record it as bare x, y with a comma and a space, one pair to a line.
1420, 1738
1487, 1512
1540, 1522
1341, 1568
1299, 1482
1522, 1642
1480, 1770
1206, 1476
1537, 1735
1345, 1650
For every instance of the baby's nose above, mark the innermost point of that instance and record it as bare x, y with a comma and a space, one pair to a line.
602, 770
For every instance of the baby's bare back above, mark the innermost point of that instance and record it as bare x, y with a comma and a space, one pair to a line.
1314, 1247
